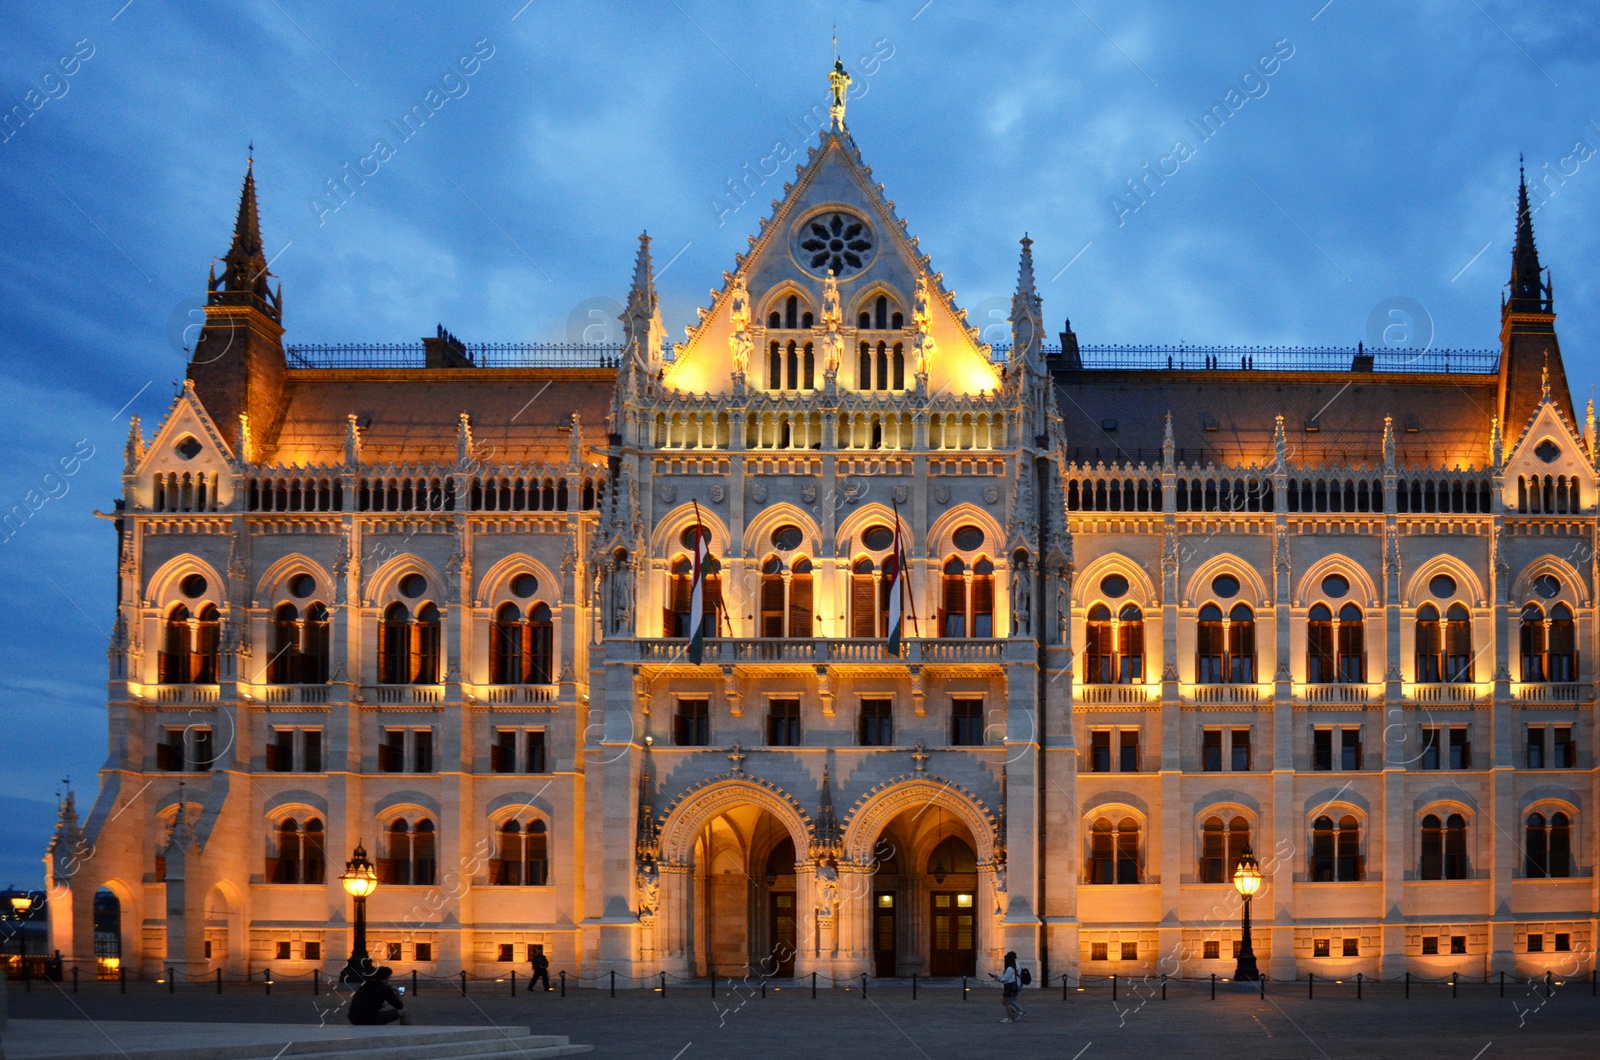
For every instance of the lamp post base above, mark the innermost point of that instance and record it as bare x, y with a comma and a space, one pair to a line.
356, 970
1245, 970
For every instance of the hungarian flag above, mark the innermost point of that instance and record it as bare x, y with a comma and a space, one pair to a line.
893, 571
697, 590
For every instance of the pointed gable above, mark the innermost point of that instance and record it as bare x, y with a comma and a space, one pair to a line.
1546, 463
831, 217
187, 466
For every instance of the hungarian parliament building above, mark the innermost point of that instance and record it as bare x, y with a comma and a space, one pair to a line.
1158, 606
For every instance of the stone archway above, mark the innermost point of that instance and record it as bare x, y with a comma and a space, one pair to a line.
735, 883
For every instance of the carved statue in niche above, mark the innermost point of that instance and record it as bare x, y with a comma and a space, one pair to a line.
1022, 600
827, 889
622, 597
647, 884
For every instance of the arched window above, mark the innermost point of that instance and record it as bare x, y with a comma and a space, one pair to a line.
898, 366
773, 591
1099, 647
1547, 848
1352, 645
1130, 645
983, 597
301, 855
1221, 847
791, 312
1241, 645
412, 854
1533, 643
1457, 644
1225, 648
863, 599
1336, 850
864, 368
801, 595
953, 599
1430, 645
775, 365
541, 645
505, 646
1444, 847
1114, 851
394, 645
285, 645
1211, 647
189, 641
1320, 646
524, 856
1561, 643
680, 591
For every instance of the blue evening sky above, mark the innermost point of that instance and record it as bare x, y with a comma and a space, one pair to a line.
1377, 161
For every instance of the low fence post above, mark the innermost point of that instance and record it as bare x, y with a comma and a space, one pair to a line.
1113, 986
1311, 985
563, 982
1549, 988
219, 979
863, 986
1358, 986
269, 980
513, 982
1063, 986
74, 978
122, 978
713, 986
1163, 986
1452, 984
813, 985
963, 988
913, 986
463, 982
613, 982
1502, 984
663, 986
1213, 986
413, 982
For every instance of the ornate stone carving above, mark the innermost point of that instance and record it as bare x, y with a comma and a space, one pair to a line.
902, 493
991, 493
666, 493
647, 890
1021, 600
808, 492
718, 492
758, 492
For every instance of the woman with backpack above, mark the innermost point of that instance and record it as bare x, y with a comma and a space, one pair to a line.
1010, 979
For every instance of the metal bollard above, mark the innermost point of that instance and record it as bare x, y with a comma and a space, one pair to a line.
563, 983
1311, 985
1358, 986
613, 983
316, 983
1452, 984
269, 980
1063, 986
219, 979
1549, 988
763, 988
913, 986
74, 978
1163, 986
463, 982
1408, 986
122, 978
513, 982
413, 982
1213, 986
813, 985
713, 986
863, 986
963, 988
1263, 982
1113, 986
663, 986
1502, 984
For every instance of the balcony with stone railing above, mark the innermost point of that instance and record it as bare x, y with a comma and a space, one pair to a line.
823, 651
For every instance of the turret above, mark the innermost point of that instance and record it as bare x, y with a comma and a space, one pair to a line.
238, 365
1527, 332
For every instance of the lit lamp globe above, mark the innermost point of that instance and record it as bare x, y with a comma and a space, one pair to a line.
1247, 876
359, 877
20, 904
1247, 881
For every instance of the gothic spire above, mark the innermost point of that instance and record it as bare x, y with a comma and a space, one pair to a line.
1168, 446
1529, 291
244, 278
1027, 308
643, 293
647, 841
828, 841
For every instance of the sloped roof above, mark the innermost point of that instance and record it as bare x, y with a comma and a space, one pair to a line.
1451, 416
411, 416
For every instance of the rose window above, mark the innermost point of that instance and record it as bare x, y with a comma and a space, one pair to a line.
838, 242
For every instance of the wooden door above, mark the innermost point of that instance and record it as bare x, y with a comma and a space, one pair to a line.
782, 932
883, 934
953, 945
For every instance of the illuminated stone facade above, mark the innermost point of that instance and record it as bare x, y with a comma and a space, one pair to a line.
1160, 605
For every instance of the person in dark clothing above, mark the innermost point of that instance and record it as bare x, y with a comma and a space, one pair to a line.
541, 968
367, 1007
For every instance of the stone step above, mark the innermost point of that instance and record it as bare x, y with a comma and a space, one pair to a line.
137, 1040
501, 1047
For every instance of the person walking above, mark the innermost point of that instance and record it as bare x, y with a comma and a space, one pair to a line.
541, 968
367, 1006
1010, 980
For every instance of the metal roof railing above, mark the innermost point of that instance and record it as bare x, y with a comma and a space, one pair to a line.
1183, 357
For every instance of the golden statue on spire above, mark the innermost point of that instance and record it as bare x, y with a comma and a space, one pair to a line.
839, 81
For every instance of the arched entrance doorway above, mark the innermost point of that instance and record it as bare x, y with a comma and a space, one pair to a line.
107, 933
925, 896
745, 911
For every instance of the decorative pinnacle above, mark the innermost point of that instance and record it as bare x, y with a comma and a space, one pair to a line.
839, 84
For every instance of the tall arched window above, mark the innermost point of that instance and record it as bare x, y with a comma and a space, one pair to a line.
1130, 645
524, 856
1444, 847
1430, 645
541, 645
1533, 643
983, 597
1352, 667
1211, 647
1558, 638
285, 645
1547, 847
953, 599
1457, 644
301, 854
189, 655
394, 645
773, 593
1221, 847
412, 854
1336, 850
1099, 647
1241, 645
1320, 646
801, 597
863, 599
1114, 851
680, 590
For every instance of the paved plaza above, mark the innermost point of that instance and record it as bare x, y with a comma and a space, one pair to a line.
688, 1024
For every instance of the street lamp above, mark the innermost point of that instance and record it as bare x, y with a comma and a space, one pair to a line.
20, 904
360, 880
1247, 881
